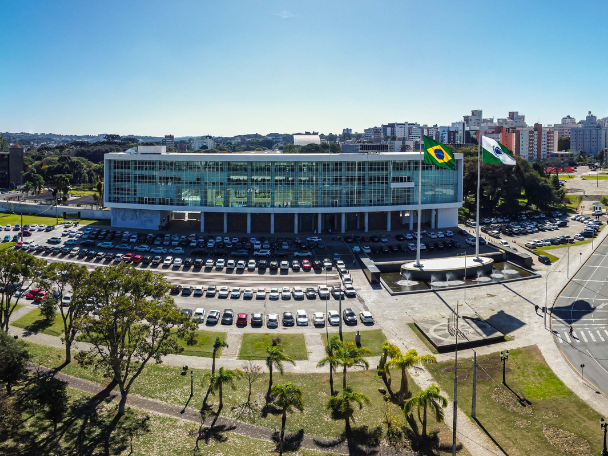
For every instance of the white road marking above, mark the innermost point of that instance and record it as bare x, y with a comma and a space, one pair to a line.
592, 337
600, 335
567, 337
576, 338
561, 341
583, 336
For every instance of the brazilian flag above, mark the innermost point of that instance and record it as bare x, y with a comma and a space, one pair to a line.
438, 154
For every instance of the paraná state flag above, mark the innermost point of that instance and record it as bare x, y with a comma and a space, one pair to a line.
494, 152
438, 154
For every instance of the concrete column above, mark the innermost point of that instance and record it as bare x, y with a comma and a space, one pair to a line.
295, 223
432, 219
202, 222
225, 222
366, 222
343, 222
272, 223
319, 223
248, 222
411, 220
388, 221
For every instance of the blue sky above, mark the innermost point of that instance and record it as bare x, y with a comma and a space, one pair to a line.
229, 67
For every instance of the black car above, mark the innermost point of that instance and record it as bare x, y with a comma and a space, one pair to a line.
317, 264
399, 237
288, 319
447, 245
176, 289
91, 254
147, 259
456, 244
320, 245
199, 251
188, 262
187, 312
295, 265
544, 259
393, 248
87, 243
438, 245
281, 254
82, 253
198, 263
375, 238
376, 249
262, 264
402, 248
348, 239
221, 252
349, 316
430, 246
273, 265
257, 319
227, 316
240, 253
311, 293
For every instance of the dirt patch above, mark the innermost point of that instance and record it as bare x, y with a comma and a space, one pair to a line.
491, 361
462, 376
550, 415
522, 424
509, 401
566, 442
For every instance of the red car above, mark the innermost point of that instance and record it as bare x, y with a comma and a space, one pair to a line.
241, 319
365, 239
128, 257
18, 245
306, 265
37, 294
137, 259
42, 294
27, 233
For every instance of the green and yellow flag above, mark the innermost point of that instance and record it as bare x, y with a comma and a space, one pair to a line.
438, 154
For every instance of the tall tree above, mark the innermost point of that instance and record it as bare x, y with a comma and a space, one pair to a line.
14, 359
288, 397
389, 351
18, 272
252, 372
429, 398
223, 377
62, 277
342, 406
332, 348
51, 394
404, 362
137, 322
219, 343
275, 357
350, 356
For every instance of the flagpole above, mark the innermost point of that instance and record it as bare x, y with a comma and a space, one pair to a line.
419, 207
478, 186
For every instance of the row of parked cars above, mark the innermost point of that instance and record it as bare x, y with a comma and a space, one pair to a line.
497, 219
272, 320
285, 293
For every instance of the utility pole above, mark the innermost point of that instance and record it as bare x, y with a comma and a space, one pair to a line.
474, 405
455, 387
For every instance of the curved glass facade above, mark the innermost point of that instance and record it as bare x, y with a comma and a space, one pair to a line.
257, 182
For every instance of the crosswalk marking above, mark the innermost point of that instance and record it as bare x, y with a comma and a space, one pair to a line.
576, 338
561, 340
583, 336
567, 338
600, 335
606, 332
591, 334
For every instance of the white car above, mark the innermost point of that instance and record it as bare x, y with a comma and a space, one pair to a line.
301, 318
177, 250
158, 250
251, 265
224, 292
219, 264
235, 293
470, 241
33, 227
422, 246
412, 247
448, 233
366, 249
350, 291
66, 300
209, 263
142, 248
286, 293
241, 264
327, 264
168, 260
230, 264
298, 293
261, 293
503, 243
284, 265
272, 321
302, 254
433, 235
318, 319
440, 234
333, 317
383, 239
248, 293
274, 294
198, 291
41, 227
213, 317
366, 317
177, 262
356, 249
323, 292
199, 314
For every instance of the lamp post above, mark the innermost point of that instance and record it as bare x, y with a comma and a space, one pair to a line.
582, 371
191, 383
546, 294
504, 356
604, 426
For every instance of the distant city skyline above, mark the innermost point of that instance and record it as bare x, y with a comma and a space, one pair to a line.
226, 68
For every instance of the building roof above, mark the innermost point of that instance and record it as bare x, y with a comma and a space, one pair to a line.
303, 140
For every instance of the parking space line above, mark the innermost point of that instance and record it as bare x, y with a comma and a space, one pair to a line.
576, 338
592, 337
567, 337
600, 335
583, 336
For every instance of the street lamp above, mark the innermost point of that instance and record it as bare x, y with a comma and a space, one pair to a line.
582, 370
504, 356
604, 426
546, 294
191, 383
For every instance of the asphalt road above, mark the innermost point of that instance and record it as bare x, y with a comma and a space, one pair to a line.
583, 305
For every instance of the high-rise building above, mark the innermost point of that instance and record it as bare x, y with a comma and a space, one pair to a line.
568, 120
535, 143
169, 141
204, 141
373, 134
591, 137
474, 120
11, 168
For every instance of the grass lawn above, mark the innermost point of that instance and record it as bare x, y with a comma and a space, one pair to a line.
575, 200
7, 245
528, 429
204, 344
163, 435
372, 339
34, 322
38, 220
254, 346
543, 251
422, 338
165, 383
565, 176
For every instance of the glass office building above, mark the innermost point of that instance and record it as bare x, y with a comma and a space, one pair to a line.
268, 192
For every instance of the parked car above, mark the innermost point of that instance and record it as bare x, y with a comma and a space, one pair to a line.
213, 317
228, 316
333, 317
199, 314
241, 319
366, 317
318, 319
349, 316
288, 319
301, 318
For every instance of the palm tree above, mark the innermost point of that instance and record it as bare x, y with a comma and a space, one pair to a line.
223, 377
219, 343
28, 188
430, 397
351, 356
404, 362
274, 359
342, 406
389, 351
288, 397
332, 349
